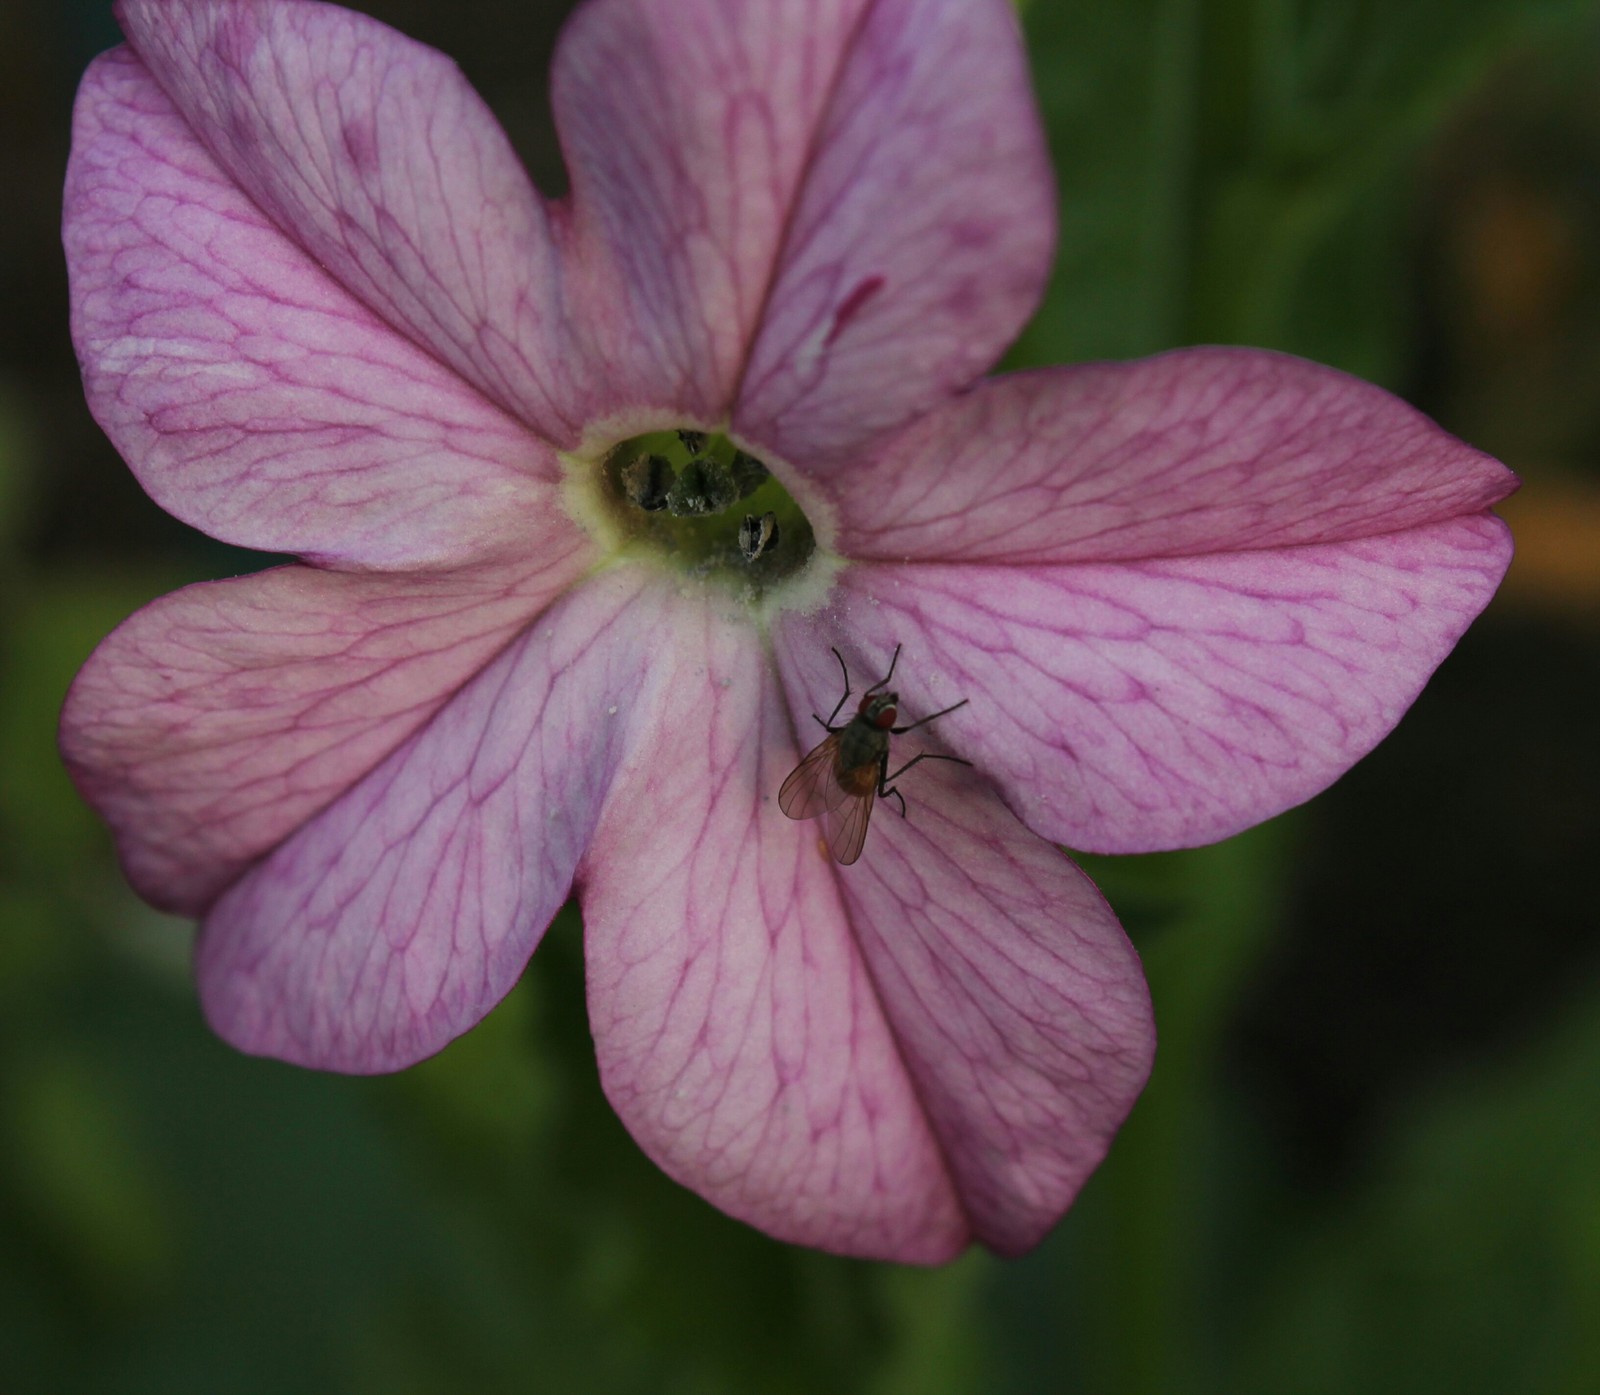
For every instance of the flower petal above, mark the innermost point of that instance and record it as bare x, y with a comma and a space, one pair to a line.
888, 150
737, 1030
688, 125
1019, 1005
374, 154
921, 239
211, 724
1132, 707
1200, 450
251, 395
397, 917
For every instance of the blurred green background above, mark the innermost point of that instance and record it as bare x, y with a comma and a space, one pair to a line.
1367, 1161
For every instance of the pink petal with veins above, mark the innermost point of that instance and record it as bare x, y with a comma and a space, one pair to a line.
1200, 450
393, 920
211, 724
737, 1029
1133, 707
1018, 1004
688, 127
921, 239
373, 153
251, 395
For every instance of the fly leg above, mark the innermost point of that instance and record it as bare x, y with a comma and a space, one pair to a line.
885, 789
828, 725
931, 717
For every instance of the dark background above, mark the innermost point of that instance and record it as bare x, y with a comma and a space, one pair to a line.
1367, 1160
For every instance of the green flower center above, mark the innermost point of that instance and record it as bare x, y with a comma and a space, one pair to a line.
700, 504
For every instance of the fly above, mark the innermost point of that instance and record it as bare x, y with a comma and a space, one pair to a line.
843, 774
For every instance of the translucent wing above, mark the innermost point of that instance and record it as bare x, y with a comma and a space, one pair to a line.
847, 825
812, 788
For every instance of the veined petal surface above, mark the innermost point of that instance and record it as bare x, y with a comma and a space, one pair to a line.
372, 153
252, 395
729, 161
1018, 1004
393, 920
1194, 451
209, 725
1130, 707
921, 239
689, 127
737, 1029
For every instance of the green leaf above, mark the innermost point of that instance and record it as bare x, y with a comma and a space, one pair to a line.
46, 633
1236, 171
1469, 1260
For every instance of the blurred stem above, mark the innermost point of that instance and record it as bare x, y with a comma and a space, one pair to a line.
1168, 231
1144, 1333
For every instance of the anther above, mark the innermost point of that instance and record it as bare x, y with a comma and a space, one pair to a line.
647, 481
702, 487
758, 536
747, 473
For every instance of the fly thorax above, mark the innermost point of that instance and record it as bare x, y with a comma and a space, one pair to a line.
862, 748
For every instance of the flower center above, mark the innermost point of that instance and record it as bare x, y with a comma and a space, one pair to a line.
703, 505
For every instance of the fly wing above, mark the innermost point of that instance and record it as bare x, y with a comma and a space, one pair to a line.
847, 826
812, 787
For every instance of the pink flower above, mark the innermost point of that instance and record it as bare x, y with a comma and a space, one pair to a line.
321, 310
